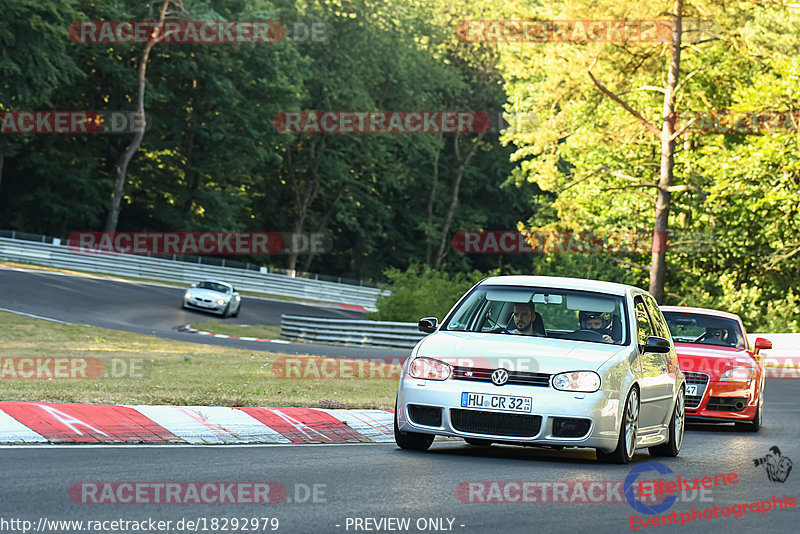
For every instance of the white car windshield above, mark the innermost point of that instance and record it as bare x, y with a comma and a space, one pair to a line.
213, 286
543, 312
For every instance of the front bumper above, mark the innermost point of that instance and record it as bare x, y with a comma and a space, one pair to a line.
204, 306
601, 409
718, 395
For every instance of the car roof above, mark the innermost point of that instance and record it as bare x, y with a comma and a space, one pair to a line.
701, 311
562, 283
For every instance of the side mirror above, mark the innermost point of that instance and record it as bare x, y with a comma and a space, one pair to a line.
763, 343
657, 344
428, 325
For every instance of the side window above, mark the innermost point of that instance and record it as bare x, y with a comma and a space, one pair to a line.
661, 328
643, 327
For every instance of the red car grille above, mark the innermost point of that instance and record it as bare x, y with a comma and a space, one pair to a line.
701, 380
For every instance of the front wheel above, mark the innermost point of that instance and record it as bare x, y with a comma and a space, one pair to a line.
411, 440
676, 427
755, 425
628, 432
238, 309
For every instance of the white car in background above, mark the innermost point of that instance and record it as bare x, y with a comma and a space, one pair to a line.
213, 296
545, 361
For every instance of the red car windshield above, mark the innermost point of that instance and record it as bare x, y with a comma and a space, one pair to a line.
703, 329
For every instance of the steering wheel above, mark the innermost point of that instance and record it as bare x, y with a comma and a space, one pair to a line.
583, 333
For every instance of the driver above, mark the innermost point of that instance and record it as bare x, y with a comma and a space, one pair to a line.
714, 333
596, 322
524, 314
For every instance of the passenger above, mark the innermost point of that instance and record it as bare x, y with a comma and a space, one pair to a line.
596, 322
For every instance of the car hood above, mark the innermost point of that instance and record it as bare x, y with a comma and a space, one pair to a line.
714, 359
517, 353
207, 294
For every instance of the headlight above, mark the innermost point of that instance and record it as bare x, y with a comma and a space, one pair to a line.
583, 381
738, 374
187, 295
220, 302
429, 369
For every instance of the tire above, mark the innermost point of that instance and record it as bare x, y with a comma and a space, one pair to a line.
677, 425
238, 308
755, 424
413, 441
226, 311
628, 432
476, 442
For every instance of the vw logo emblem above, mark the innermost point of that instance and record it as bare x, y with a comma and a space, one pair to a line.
499, 377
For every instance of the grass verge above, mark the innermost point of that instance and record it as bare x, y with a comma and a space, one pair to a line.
174, 372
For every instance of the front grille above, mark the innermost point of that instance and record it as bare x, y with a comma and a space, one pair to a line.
516, 378
693, 401
425, 415
726, 404
568, 427
494, 423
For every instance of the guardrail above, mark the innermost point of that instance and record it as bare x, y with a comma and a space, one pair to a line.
786, 347
57, 255
785, 353
350, 332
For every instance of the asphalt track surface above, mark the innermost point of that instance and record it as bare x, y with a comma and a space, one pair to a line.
381, 481
156, 310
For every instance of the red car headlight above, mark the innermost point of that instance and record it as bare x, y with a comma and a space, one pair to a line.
738, 374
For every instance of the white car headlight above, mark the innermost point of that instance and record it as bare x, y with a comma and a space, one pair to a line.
583, 381
187, 295
220, 301
738, 374
429, 369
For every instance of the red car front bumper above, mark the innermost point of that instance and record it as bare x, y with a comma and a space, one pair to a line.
722, 400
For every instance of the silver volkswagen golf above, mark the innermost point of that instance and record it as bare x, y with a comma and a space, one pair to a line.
545, 361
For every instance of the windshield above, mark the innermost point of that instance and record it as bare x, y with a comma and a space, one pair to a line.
213, 286
542, 312
704, 329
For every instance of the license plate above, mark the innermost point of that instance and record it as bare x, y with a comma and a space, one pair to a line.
693, 390
504, 403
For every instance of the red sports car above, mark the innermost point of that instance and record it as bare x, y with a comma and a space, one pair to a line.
724, 373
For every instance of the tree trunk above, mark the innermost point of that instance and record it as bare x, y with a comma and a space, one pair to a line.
658, 264
431, 198
322, 223
121, 168
304, 195
448, 219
